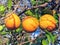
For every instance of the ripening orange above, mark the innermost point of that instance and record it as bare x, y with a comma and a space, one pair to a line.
48, 22
12, 21
30, 24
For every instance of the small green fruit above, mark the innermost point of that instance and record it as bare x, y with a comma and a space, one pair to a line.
1, 27
2, 8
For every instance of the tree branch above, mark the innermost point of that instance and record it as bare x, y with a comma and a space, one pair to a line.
33, 7
26, 42
43, 5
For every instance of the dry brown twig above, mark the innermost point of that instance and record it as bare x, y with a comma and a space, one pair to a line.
26, 42
43, 5
30, 40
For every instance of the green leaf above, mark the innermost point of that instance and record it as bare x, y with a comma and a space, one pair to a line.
37, 13
29, 13
56, 16
46, 0
44, 42
46, 11
48, 37
33, 2
51, 36
18, 30
40, 2
57, 21
3, 33
9, 4
54, 38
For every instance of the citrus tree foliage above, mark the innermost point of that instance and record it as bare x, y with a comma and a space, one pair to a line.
34, 8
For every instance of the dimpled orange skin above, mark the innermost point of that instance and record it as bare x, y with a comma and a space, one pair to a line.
12, 22
30, 24
48, 22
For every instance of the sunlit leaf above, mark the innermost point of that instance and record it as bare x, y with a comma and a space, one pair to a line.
51, 36
33, 2
48, 37
19, 29
29, 13
9, 4
3, 33
44, 42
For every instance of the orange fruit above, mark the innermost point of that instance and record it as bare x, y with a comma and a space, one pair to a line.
30, 24
12, 21
48, 22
